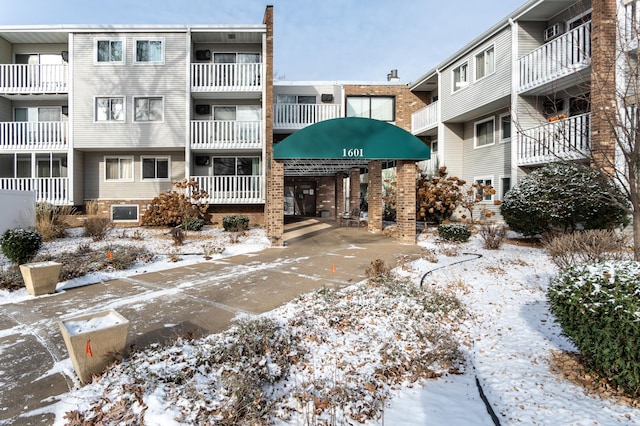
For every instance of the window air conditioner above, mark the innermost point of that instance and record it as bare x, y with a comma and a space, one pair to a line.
552, 32
203, 160
203, 55
203, 109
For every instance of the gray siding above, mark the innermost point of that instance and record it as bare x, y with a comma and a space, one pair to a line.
6, 113
95, 186
130, 80
39, 48
486, 161
5, 52
451, 149
78, 177
484, 91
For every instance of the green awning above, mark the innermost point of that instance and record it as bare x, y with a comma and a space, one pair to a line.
352, 138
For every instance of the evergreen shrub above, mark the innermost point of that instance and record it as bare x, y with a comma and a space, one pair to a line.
20, 245
235, 223
454, 232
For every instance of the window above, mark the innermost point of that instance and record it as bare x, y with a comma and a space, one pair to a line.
148, 109
124, 213
149, 51
484, 133
236, 166
505, 185
155, 168
484, 182
110, 109
109, 51
505, 127
295, 99
118, 169
485, 63
376, 107
461, 77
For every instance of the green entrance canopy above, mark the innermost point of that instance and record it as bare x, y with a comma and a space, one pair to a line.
352, 138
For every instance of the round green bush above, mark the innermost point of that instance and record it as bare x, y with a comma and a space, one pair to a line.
235, 223
192, 224
563, 197
454, 232
598, 308
20, 245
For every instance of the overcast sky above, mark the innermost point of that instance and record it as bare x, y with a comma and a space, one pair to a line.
353, 40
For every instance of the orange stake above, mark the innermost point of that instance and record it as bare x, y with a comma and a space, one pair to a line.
88, 349
333, 267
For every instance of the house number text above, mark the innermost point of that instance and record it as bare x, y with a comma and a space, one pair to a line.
353, 152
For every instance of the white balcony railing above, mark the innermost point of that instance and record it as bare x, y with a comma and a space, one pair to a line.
30, 135
208, 77
425, 118
566, 139
297, 116
567, 54
15, 78
53, 190
232, 189
208, 134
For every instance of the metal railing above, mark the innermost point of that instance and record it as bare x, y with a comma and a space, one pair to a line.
565, 139
298, 116
567, 54
216, 134
208, 77
232, 189
17, 78
53, 190
30, 135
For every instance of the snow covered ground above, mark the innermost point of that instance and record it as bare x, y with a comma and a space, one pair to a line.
507, 338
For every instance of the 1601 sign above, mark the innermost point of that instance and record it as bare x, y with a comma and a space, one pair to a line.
353, 152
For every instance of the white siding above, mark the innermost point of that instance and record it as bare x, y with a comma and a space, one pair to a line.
493, 87
168, 80
95, 186
39, 48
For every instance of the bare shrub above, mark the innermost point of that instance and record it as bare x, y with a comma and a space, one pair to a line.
492, 235
92, 208
49, 220
449, 249
11, 279
593, 245
97, 227
178, 236
378, 272
430, 255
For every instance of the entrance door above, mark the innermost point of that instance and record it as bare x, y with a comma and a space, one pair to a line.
300, 199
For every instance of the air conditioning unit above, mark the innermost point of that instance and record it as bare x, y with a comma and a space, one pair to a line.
203, 160
326, 97
203, 55
203, 109
552, 32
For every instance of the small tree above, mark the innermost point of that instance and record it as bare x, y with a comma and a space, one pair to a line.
563, 197
173, 207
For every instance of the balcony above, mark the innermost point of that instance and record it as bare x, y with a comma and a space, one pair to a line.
32, 135
53, 190
208, 134
232, 189
561, 57
566, 139
33, 79
208, 77
426, 118
298, 116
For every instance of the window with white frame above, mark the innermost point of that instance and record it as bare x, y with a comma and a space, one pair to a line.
505, 185
147, 109
505, 127
109, 109
149, 51
109, 51
124, 212
484, 133
377, 107
485, 63
155, 168
118, 169
236, 166
461, 76
484, 182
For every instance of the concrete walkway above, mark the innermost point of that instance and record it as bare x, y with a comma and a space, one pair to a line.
199, 299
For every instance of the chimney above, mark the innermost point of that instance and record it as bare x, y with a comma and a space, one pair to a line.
393, 76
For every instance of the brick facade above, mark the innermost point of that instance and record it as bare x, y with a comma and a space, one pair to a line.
603, 84
375, 196
354, 189
406, 201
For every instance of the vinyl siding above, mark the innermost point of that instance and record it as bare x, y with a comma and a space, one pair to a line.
168, 80
6, 112
5, 52
451, 149
78, 177
39, 48
478, 93
227, 48
95, 186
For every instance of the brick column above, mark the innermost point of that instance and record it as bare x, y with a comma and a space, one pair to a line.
406, 201
340, 207
274, 203
375, 196
603, 84
354, 188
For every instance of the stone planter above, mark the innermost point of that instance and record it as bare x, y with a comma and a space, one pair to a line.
41, 277
94, 341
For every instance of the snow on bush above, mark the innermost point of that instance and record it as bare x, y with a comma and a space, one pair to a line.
598, 307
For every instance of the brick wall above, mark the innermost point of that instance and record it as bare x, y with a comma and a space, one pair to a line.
603, 85
406, 201
255, 213
375, 196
